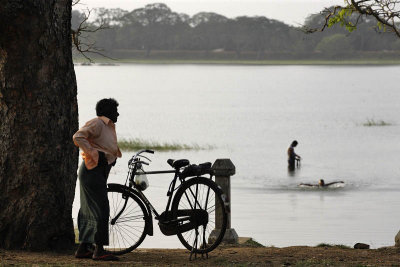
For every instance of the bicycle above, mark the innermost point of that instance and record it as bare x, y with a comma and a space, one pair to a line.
191, 208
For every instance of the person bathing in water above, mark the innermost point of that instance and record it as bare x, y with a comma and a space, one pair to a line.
321, 183
292, 156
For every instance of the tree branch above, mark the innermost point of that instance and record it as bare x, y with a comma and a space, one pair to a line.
385, 12
75, 2
80, 37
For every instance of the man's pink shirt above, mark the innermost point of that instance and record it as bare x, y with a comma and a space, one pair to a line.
96, 135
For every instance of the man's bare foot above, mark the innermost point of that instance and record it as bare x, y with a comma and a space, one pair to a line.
84, 251
101, 255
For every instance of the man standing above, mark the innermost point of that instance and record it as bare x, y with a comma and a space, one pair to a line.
98, 141
292, 156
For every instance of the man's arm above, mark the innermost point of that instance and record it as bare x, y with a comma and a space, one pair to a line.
308, 184
91, 129
338, 182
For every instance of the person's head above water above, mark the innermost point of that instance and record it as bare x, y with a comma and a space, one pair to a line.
294, 143
321, 182
108, 107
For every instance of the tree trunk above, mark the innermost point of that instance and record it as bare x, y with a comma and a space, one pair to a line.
39, 114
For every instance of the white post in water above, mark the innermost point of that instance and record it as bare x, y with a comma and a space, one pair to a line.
223, 170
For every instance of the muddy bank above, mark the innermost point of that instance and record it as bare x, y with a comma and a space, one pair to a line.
224, 256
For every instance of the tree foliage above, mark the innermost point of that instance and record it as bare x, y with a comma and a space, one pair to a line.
156, 27
386, 14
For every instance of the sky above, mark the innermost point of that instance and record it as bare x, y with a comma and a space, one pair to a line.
293, 12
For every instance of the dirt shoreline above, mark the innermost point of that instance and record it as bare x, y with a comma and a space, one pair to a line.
222, 256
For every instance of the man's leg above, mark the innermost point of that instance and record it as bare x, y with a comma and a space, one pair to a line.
101, 236
85, 249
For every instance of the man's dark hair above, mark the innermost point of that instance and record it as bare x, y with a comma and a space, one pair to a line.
294, 143
105, 106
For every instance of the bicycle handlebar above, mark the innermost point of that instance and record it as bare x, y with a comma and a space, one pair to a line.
145, 157
142, 162
133, 159
144, 150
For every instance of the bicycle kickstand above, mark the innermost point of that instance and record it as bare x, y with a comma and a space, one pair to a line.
202, 255
204, 246
195, 246
193, 249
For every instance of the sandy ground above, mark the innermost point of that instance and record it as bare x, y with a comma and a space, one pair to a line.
222, 256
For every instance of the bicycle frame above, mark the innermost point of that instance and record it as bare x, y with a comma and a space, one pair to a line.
171, 189
166, 223
136, 164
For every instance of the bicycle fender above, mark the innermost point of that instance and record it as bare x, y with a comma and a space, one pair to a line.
148, 216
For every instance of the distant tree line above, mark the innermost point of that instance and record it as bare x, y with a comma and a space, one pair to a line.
146, 31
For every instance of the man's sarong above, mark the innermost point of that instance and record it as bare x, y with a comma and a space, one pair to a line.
94, 212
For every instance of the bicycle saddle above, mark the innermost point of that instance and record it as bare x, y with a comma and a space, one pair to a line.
179, 163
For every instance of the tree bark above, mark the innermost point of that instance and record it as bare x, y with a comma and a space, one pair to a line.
39, 114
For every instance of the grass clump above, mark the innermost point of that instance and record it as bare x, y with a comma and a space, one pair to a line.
371, 122
252, 243
325, 245
137, 144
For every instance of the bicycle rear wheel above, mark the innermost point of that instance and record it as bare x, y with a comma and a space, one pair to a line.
201, 193
126, 228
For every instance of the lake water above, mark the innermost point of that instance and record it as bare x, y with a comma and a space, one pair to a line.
251, 114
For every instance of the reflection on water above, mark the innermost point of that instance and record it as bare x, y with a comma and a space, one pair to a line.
251, 113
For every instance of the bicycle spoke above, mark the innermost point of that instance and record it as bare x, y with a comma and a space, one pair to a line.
124, 226
127, 232
115, 243
130, 218
208, 193
195, 197
122, 233
117, 233
184, 206
188, 200
190, 235
211, 209
118, 204
129, 229
123, 237
135, 208
195, 202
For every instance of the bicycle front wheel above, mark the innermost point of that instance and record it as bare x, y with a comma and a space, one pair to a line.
201, 194
127, 222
